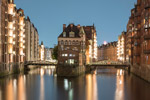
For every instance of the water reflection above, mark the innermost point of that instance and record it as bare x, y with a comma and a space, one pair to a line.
0, 93
101, 84
42, 85
91, 87
15, 89
21, 89
119, 93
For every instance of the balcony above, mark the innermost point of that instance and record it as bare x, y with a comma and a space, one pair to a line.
136, 44
146, 51
138, 21
147, 6
136, 37
137, 14
136, 54
146, 26
10, 18
147, 37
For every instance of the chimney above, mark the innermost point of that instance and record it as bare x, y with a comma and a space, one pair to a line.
71, 25
78, 26
64, 27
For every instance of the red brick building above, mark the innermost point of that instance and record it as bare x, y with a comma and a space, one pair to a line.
108, 52
77, 45
138, 30
71, 45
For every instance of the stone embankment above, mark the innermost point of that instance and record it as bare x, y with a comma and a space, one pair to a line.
70, 70
142, 71
10, 68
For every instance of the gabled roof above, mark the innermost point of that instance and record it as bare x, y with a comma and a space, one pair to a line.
88, 31
71, 28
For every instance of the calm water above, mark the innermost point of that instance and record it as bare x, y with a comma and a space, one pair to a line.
101, 84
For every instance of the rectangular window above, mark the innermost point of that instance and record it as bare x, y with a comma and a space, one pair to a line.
71, 34
64, 34
70, 61
66, 55
70, 55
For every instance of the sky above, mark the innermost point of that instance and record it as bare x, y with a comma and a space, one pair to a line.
110, 17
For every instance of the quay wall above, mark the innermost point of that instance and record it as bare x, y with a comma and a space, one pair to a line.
10, 68
142, 71
70, 71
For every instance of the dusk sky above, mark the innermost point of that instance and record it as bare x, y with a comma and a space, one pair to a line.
109, 16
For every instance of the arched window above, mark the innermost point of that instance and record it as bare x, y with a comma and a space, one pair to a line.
66, 42
77, 43
73, 43
62, 42
69, 43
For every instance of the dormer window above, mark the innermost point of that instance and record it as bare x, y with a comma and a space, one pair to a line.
64, 34
71, 34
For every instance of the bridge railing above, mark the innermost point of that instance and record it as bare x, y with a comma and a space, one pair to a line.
39, 62
108, 63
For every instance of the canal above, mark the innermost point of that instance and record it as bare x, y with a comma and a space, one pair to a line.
101, 84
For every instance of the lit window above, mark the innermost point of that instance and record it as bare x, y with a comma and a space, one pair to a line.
64, 34
66, 55
70, 55
71, 61
71, 34
62, 47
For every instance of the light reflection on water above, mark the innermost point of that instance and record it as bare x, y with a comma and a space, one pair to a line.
119, 93
101, 84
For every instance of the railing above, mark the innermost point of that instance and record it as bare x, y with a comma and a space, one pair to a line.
136, 37
147, 37
146, 51
136, 54
40, 63
147, 6
137, 14
108, 63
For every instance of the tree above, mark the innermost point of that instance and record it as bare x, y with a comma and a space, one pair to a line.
55, 52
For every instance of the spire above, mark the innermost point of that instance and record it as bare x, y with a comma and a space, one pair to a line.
94, 27
41, 42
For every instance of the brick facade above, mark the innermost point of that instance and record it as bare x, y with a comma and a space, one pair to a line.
108, 52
